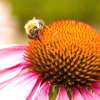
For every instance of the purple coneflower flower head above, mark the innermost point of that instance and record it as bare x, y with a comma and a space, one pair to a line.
60, 62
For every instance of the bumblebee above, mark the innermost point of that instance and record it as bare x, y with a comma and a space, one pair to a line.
33, 26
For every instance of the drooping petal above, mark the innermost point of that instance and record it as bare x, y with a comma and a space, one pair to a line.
19, 88
43, 94
96, 88
34, 90
62, 94
11, 55
96, 96
87, 94
10, 74
76, 95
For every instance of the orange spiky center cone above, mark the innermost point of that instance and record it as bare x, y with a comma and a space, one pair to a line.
67, 53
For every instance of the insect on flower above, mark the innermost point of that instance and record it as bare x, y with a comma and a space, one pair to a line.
63, 64
32, 27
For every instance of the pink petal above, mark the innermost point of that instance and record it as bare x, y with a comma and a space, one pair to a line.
11, 55
62, 94
34, 90
9, 74
96, 88
95, 96
15, 91
76, 95
43, 94
87, 95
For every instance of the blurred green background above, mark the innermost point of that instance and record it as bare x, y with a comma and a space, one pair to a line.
87, 11
15, 13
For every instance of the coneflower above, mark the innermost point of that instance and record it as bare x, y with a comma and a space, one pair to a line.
60, 62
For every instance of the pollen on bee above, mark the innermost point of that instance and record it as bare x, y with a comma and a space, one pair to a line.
33, 26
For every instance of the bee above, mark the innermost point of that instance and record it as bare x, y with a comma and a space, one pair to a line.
33, 26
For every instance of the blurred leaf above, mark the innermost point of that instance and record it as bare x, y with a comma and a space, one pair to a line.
50, 10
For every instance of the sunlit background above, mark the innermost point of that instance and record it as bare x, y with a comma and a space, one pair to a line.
15, 13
